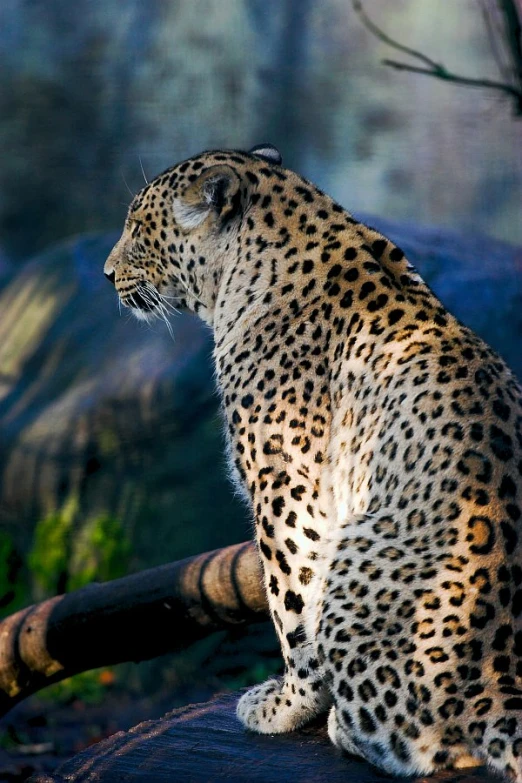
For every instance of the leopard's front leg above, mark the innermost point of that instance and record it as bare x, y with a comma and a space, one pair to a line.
279, 436
290, 535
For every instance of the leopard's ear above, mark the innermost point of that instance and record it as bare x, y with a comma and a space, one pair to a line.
267, 152
216, 192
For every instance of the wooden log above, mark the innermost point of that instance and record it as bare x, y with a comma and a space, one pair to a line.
206, 742
130, 619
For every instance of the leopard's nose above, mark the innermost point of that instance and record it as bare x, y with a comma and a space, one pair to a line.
110, 276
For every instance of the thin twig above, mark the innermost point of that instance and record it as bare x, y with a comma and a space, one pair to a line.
436, 69
445, 75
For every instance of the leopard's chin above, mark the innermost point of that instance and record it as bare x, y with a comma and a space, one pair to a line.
142, 315
144, 301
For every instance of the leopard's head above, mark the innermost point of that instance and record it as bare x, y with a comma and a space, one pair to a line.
178, 232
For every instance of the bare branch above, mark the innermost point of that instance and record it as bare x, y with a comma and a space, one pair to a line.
440, 71
445, 75
130, 619
382, 36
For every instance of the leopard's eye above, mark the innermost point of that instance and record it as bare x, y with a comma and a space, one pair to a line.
136, 228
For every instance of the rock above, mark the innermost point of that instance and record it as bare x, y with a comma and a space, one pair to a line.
477, 278
100, 415
205, 742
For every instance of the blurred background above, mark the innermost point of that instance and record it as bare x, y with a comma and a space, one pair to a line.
110, 437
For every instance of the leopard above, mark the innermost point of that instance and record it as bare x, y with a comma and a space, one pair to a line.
377, 442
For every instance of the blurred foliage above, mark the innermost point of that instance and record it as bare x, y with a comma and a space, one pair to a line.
12, 589
64, 557
259, 671
88, 687
101, 552
48, 560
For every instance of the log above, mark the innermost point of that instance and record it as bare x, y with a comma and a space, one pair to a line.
206, 742
134, 618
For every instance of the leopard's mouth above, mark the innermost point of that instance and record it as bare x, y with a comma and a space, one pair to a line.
145, 298
147, 303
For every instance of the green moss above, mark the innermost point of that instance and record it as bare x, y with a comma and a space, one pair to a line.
67, 555
101, 551
49, 557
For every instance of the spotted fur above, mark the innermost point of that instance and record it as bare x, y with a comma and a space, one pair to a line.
379, 442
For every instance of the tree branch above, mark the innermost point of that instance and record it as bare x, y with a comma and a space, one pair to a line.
440, 71
131, 619
382, 36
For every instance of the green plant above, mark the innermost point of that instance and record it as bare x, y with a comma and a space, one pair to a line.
49, 557
101, 551
66, 556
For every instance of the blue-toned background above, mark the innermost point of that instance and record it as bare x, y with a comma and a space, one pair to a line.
110, 437
90, 86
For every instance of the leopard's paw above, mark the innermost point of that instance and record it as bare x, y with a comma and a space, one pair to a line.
274, 707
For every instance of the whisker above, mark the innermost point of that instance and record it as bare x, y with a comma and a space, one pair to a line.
189, 292
142, 170
170, 308
153, 298
160, 299
160, 308
127, 186
165, 296
169, 327
164, 314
